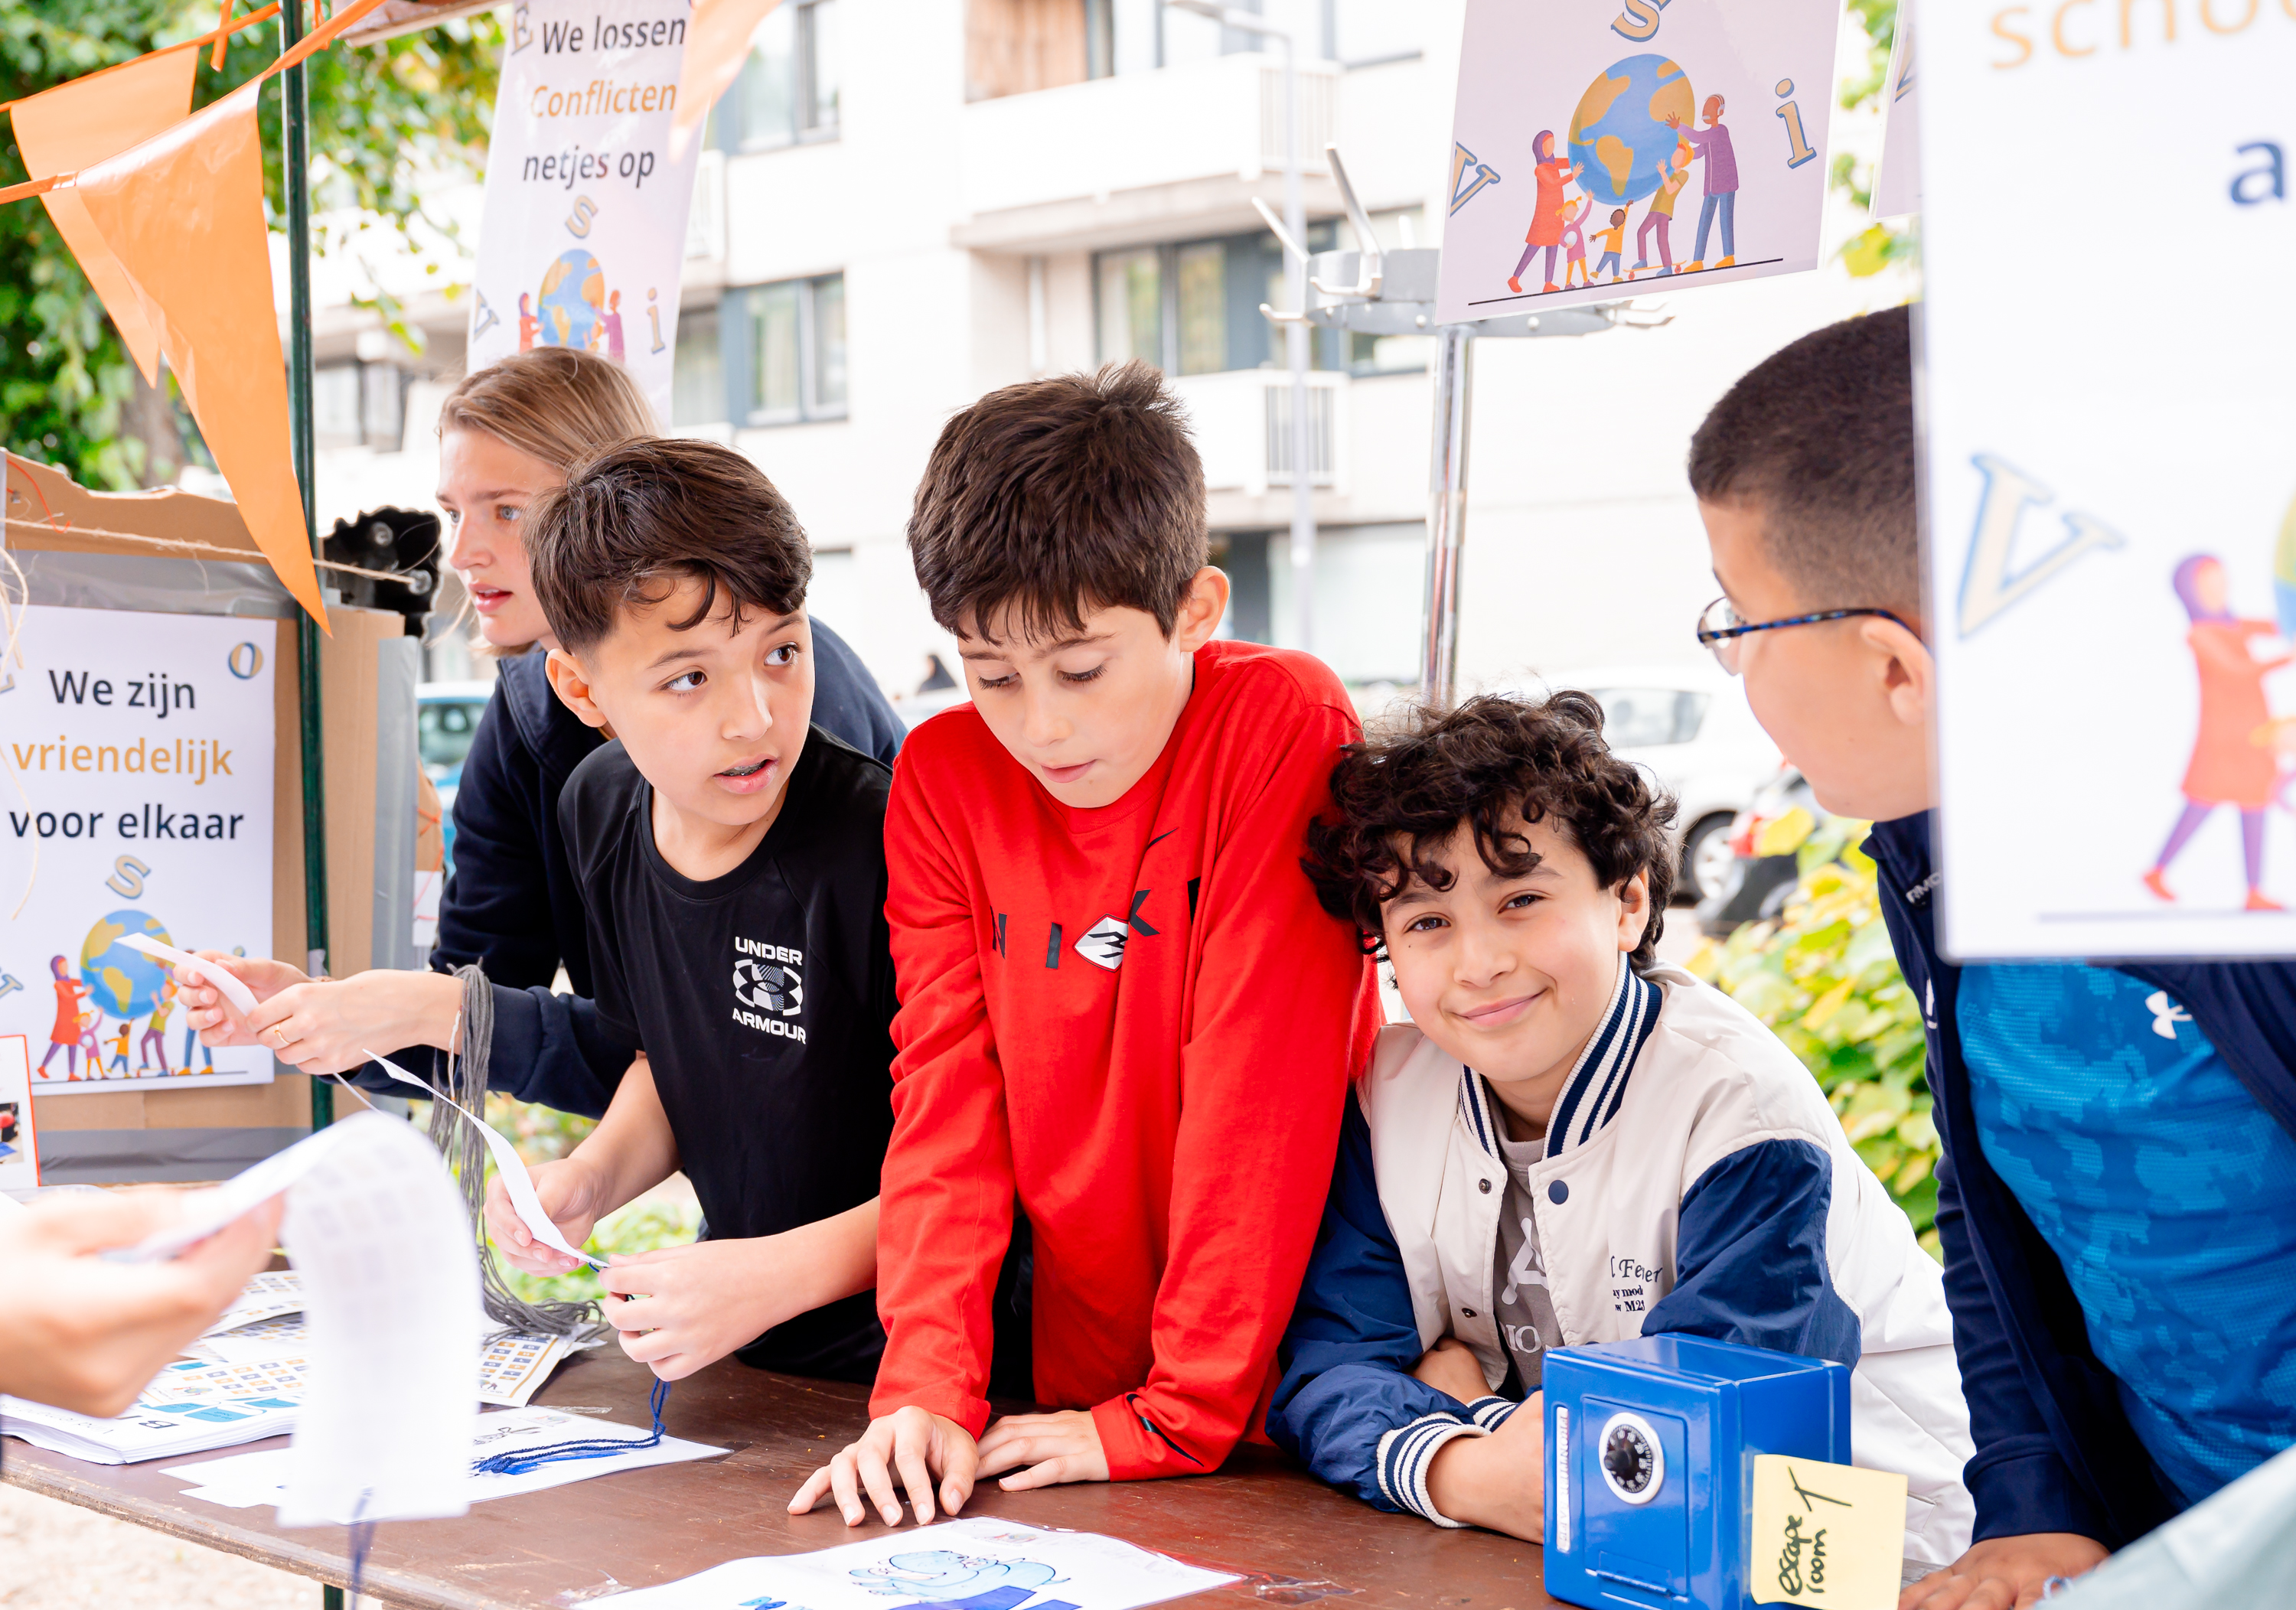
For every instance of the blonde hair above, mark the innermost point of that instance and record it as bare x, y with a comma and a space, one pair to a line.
560, 404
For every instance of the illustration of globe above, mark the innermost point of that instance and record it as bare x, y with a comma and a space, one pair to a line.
573, 295
1618, 135
125, 982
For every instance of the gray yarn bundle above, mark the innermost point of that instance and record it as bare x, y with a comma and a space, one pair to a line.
466, 1155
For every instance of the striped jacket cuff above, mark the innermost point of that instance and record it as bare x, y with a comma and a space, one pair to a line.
1404, 1454
1492, 1412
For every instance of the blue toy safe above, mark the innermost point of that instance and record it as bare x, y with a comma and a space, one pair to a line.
1650, 1459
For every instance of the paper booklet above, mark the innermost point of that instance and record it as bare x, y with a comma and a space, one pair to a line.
980, 1563
191, 1406
245, 1481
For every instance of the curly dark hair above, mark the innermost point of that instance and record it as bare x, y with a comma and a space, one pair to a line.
1489, 763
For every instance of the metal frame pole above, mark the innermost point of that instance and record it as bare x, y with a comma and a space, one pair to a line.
1447, 513
296, 123
1296, 355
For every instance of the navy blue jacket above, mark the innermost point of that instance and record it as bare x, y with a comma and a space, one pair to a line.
510, 902
2055, 1451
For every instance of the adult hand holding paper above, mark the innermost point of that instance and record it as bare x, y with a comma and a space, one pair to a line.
510, 1168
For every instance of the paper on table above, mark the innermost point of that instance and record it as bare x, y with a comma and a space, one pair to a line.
246, 1480
265, 1296
206, 1212
515, 1179
960, 1560
1825, 1534
390, 1281
242, 998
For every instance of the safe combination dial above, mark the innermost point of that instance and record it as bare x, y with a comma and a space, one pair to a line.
1634, 1466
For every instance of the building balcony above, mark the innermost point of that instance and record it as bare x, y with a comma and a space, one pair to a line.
1242, 425
1146, 156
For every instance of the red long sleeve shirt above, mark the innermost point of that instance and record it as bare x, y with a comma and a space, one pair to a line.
1139, 1018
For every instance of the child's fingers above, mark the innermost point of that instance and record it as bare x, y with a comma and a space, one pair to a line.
811, 1494
845, 1481
1046, 1472
909, 1454
877, 1476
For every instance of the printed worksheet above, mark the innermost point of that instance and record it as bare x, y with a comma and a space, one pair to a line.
972, 1565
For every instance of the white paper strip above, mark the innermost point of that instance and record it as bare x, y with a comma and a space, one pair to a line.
242, 998
516, 1181
206, 1212
390, 1282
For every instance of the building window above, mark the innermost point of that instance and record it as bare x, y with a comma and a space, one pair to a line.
1193, 308
697, 386
335, 406
358, 405
784, 347
787, 93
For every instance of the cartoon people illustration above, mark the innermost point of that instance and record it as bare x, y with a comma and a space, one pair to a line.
1713, 143
1545, 210
2228, 766
1574, 242
120, 1049
1661, 215
528, 326
155, 1031
945, 1577
1612, 241
65, 1035
611, 323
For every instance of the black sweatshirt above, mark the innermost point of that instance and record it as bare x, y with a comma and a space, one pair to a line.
764, 1002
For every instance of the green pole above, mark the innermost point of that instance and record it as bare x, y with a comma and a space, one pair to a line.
296, 121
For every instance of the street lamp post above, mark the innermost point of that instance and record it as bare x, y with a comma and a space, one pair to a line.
1294, 238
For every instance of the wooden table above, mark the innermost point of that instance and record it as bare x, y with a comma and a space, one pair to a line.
1292, 1539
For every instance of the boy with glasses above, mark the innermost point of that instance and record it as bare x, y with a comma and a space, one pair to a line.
2118, 1195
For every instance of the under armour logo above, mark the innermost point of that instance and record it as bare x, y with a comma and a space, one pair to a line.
2166, 1014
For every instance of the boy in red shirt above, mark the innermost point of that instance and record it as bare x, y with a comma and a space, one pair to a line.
1121, 1002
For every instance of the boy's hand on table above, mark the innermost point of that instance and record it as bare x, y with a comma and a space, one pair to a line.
2004, 1573
696, 1303
86, 1335
572, 1193
204, 1008
1496, 1482
1063, 1446
918, 1443
1450, 1367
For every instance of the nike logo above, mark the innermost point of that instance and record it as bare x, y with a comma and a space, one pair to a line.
1159, 838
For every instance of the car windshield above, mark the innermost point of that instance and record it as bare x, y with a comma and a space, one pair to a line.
1637, 718
444, 729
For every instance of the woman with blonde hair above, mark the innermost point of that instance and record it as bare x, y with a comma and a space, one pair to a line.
507, 435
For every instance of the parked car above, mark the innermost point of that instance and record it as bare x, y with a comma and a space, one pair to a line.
446, 720
1690, 727
1763, 843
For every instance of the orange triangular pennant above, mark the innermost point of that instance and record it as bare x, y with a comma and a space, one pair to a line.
78, 125
716, 44
182, 215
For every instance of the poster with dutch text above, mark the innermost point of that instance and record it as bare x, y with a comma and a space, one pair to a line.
2110, 488
584, 231
138, 748
1603, 149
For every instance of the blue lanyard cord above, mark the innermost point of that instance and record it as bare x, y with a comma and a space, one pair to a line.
519, 1463
362, 1539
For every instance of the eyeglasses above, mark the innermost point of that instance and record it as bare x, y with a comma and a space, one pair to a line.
1719, 628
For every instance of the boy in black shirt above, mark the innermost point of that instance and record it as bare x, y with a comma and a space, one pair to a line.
732, 867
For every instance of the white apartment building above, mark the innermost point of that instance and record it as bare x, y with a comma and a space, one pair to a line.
907, 203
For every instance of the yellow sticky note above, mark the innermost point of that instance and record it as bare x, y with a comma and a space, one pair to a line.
1826, 1536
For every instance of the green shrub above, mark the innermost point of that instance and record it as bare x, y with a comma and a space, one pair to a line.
1825, 980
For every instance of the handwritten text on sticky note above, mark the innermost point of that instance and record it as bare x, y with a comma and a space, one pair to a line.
1826, 1536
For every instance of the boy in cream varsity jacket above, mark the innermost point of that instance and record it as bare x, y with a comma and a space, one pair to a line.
1572, 1143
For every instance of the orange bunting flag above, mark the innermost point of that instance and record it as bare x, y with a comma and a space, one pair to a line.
78, 124
715, 45
182, 216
